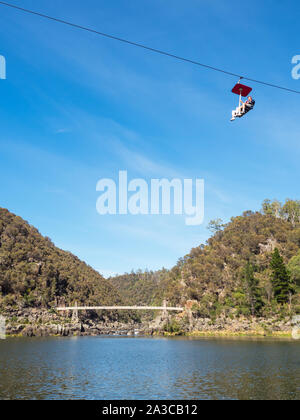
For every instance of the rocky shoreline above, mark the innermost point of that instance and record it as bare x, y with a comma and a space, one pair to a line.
43, 323
242, 325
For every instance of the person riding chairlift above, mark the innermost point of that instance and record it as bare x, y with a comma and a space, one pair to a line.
244, 108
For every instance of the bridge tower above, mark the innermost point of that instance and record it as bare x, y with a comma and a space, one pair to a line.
165, 312
75, 317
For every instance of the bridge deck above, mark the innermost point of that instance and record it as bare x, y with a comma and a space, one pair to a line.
120, 308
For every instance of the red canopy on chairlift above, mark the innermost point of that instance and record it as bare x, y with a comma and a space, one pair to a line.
241, 89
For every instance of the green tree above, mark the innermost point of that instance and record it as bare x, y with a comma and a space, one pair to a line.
294, 269
253, 291
291, 211
272, 208
280, 278
215, 226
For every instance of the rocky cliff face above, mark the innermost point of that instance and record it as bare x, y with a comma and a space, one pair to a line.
43, 323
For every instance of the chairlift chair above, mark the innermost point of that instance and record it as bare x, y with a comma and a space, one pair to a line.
242, 91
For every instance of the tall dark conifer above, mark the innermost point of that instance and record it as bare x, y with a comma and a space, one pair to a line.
280, 278
253, 290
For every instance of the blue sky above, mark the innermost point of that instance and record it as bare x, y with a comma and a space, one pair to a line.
76, 108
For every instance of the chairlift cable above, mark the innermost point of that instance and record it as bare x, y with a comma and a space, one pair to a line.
145, 47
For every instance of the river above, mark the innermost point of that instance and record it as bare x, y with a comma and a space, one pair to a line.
149, 368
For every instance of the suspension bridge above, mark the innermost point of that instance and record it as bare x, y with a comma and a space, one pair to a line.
120, 308
75, 309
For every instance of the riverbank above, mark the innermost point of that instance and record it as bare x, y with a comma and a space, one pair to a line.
241, 327
32, 322
230, 334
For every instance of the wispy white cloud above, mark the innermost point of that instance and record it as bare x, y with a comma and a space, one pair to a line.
63, 131
143, 164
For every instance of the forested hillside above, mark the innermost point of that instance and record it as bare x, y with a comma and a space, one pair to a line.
250, 266
35, 273
141, 288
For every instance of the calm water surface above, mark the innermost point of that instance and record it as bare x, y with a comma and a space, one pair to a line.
147, 368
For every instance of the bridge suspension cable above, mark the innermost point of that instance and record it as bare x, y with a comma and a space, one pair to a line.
120, 308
